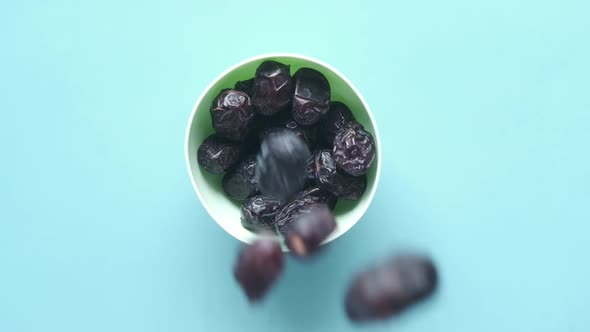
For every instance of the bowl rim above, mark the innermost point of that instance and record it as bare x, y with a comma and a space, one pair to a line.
193, 113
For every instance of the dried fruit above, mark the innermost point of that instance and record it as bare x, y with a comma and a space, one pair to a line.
280, 168
217, 155
312, 96
246, 86
232, 115
258, 266
310, 229
240, 182
341, 184
387, 288
301, 203
336, 118
258, 213
273, 88
354, 149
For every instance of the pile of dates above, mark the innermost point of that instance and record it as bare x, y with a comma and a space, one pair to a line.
289, 154
285, 147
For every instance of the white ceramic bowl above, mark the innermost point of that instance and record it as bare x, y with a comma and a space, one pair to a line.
208, 186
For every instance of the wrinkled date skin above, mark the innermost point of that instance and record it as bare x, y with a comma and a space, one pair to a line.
338, 116
354, 149
258, 266
280, 164
384, 290
258, 213
302, 203
217, 155
310, 229
273, 88
240, 182
312, 96
246, 87
232, 115
341, 184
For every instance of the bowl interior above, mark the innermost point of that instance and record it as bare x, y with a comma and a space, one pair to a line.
225, 211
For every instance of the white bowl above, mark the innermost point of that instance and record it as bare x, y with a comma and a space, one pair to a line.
208, 186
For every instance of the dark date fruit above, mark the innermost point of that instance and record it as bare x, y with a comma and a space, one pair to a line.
217, 155
386, 289
258, 266
301, 203
336, 118
310, 229
280, 165
258, 213
240, 182
312, 96
341, 184
232, 115
246, 87
273, 88
354, 149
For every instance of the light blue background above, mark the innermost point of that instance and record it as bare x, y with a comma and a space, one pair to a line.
484, 111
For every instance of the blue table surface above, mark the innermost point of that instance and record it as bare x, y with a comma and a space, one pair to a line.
484, 111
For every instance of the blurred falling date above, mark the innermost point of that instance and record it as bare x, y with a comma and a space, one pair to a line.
258, 266
386, 289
